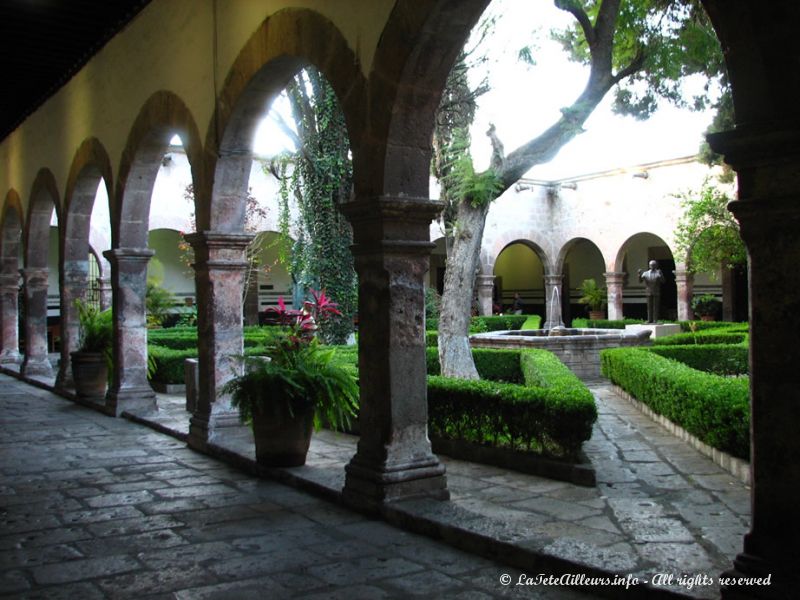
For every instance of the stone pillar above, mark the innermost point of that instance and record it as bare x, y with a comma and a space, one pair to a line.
685, 281
392, 254
9, 316
220, 264
130, 391
614, 284
552, 301
485, 285
104, 289
768, 211
36, 362
73, 287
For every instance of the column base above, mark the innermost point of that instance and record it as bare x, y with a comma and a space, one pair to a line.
37, 367
780, 585
212, 428
135, 400
367, 487
64, 380
10, 357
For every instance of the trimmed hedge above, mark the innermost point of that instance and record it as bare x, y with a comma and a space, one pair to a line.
721, 359
604, 323
708, 336
482, 324
551, 414
495, 365
713, 408
702, 325
183, 338
169, 361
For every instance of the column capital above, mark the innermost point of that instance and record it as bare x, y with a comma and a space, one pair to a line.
614, 276
682, 274
554, 278
749, 145
9, 281
219, 240
118, 255
392, 224
485, 280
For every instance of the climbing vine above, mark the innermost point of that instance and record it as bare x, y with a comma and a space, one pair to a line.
316, 178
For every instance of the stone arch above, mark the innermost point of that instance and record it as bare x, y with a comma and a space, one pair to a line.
91, 167
414, 56
533, 290
633, 289
44, 199
574, 277
43, 202
162, 116
489, 255
284, 43
11, 227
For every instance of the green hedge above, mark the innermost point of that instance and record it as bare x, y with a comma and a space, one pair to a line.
703, 325
604, 323
183, 338
708, 336
551, 414
715, 409
495, 365
482, 324
169, 361
721, 359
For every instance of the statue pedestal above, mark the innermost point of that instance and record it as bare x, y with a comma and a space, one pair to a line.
656, 330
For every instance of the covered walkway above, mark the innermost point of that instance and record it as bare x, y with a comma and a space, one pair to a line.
659, 509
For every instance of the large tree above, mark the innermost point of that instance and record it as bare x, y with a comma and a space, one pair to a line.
642, 49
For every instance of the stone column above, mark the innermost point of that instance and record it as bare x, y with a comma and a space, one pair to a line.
614, 284
130, 391
485, 285
768, 211
685, 281
104, 289
73, 287
552, 301
220, 264
392, 253
36, 362
9, 316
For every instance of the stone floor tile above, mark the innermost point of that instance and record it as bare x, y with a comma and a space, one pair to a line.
89, 568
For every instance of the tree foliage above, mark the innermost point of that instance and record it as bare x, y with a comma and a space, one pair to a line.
318, 177
707, 235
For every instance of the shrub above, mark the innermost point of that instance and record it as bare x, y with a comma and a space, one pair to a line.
495, 365
709, 336
703, 325
532, 322
604, 323
487, 323
552, 414
432, 339
721, 359
168, 363
713, 408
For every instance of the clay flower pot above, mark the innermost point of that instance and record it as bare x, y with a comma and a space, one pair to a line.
90, 374
282, 438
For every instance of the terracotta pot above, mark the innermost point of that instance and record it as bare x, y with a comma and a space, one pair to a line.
282, 439
707, 318
90, 374
596, 315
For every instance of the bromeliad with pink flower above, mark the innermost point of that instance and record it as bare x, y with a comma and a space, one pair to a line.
303, 324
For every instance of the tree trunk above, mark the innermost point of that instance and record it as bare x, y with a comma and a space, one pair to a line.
455, 354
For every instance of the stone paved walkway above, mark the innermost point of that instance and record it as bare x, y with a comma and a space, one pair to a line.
659, 507
95, 507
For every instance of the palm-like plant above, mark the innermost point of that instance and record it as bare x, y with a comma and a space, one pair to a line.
593, 295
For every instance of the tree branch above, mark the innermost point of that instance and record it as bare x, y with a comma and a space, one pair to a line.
576, 10
634, 66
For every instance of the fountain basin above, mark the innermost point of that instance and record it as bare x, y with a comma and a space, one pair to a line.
579, 349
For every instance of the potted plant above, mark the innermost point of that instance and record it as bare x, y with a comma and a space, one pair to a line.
594, 297
706, 306
90, 363
295, 389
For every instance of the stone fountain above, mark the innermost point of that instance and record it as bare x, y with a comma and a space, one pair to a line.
578, 348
